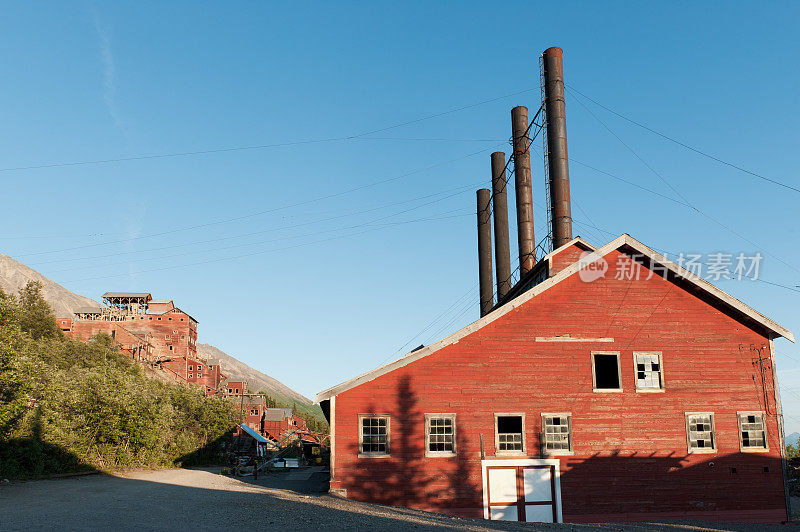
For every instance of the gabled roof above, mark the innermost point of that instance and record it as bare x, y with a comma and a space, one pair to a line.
624, 240
258, 437
89, 310
277, 414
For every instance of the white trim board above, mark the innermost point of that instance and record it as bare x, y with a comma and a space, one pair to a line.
522, 462
624, 240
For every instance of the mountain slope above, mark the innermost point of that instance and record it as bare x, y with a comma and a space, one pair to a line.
15, 275
236, 370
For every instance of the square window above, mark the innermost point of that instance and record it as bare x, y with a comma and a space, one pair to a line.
373, 435
191, 368
557, 433
509, 433
700, 432
606, 376
649, 371
191, 376
752, 431
440, 434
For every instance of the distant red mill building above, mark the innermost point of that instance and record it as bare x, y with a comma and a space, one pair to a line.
272, 423
154, 331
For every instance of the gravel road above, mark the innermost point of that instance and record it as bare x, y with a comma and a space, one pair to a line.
182, 499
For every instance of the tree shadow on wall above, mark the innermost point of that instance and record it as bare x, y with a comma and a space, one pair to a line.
407, 477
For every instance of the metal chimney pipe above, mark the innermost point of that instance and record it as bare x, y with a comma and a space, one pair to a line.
502, 253
557, 159
524, 189
485, 251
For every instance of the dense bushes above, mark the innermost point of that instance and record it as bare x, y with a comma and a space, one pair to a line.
67, 405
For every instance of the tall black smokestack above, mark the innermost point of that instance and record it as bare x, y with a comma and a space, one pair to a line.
524, 189
502, 253
557, 160
485, 251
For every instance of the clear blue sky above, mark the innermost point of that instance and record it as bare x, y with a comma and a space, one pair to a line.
316, 293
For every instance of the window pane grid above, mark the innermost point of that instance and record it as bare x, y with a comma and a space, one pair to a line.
701, 431
510, 442
557, 433
752, 431
440, 434
374, 435
648, 371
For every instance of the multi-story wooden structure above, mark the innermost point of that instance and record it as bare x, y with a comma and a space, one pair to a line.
154, 331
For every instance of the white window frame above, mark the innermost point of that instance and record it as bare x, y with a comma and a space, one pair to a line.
594, 376
557, 452
388, 452
660, 371
497, 450
433, 454
705, 450
763, 415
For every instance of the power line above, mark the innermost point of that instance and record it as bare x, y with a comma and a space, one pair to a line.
248, 244
211, 261
264, 146
254, 233
687, 203
684, 145
260, 213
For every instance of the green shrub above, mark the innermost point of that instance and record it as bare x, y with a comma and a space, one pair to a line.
69, 406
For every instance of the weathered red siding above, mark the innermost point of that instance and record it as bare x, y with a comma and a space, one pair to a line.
630, 456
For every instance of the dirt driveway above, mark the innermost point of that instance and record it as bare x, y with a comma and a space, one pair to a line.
184, 499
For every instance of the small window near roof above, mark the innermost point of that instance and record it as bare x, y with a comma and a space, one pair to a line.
557, 433
649, 372
509, 433
605, 371
752, 431
440, 434
373, 435
700, 432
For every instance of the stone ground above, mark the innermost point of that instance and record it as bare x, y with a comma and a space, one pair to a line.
182, 499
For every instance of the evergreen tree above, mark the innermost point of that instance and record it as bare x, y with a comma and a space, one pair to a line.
35, 315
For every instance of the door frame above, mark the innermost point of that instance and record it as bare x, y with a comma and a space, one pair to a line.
522, 462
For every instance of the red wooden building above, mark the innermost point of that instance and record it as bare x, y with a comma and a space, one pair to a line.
608, 384
616, 399
154, 331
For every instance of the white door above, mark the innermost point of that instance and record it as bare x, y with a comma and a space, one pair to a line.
521, 493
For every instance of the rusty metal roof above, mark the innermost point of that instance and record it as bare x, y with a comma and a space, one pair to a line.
89, 310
